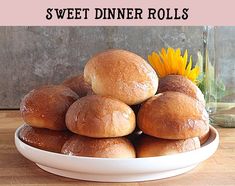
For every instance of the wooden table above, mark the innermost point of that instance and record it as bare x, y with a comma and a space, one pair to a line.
17, 170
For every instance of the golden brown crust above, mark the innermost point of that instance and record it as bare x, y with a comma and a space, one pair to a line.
122, 75
46, 106
45, 139
181, 84
148, 146
173, 115
78, 85
203, 138
101, 148
99, 117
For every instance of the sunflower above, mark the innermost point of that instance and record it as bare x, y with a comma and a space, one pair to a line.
172, 62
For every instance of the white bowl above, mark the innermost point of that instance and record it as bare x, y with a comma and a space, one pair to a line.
118, 170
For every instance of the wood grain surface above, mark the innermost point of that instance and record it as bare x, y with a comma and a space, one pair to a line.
17, 170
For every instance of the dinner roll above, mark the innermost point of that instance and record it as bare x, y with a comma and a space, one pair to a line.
100, 117
148, 146
101, 148
78, 85
45, 139
173, 115
122, 75
181, 84
45, 107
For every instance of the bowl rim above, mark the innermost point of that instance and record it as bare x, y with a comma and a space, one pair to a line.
213, 138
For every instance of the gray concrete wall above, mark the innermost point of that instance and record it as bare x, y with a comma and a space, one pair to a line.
33, 56
225, 56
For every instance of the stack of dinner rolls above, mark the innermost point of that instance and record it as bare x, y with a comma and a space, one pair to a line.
95, 114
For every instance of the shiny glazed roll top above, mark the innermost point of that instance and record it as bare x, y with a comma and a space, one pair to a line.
122, 75
100, 117
173, 115
45, 107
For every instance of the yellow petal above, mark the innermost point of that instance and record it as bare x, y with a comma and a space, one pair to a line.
178, 52
171, 61
180, 66
189, 66
163, 51
185, 58
157, 64
194, 73
165, 61
152, 62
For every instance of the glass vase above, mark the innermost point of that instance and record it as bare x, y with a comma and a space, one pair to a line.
219, 74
